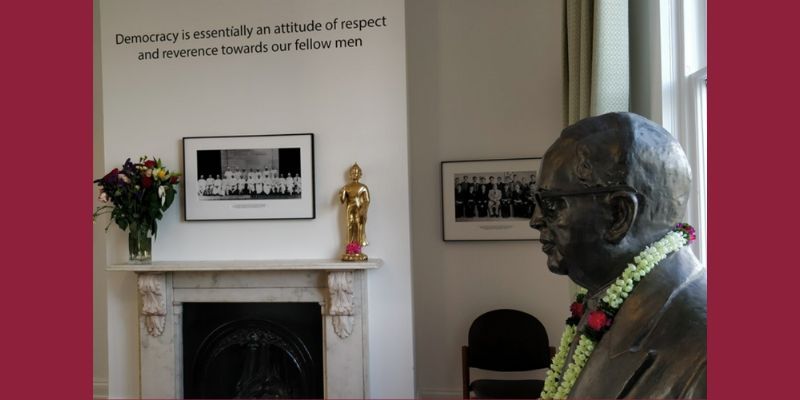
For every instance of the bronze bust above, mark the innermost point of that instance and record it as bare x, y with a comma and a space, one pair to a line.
617, 183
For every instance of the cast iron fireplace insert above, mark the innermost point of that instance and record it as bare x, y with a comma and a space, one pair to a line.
252, 350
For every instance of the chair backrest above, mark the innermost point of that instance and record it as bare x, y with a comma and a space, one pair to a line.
508, 340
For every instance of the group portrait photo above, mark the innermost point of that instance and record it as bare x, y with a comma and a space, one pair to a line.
249, 174
481, 196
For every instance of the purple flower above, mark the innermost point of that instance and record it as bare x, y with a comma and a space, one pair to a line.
129, 166
687, 231
110, 177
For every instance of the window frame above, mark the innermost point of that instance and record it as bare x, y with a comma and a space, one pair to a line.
683, 98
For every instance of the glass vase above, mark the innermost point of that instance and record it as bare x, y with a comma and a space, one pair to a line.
139, 245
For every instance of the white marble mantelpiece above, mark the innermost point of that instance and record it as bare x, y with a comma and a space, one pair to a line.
248, 265
339, 287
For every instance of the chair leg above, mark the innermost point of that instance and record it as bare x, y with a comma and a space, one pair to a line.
465, 371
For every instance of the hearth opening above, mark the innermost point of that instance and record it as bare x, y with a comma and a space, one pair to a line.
252, 350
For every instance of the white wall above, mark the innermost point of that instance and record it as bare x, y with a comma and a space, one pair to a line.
485, 81
99, 320
354, 100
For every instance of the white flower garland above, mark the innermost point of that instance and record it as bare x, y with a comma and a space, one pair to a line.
614, 296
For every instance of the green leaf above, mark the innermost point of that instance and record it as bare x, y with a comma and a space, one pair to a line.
168, 198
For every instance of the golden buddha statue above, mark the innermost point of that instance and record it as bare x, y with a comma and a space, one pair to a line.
355, 197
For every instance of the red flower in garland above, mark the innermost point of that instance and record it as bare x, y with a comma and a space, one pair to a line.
150, 163
598, 320
173, 179
577, 309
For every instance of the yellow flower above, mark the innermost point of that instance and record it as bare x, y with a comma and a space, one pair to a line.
160, 174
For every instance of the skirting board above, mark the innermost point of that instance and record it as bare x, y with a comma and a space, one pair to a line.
428, 393
99, 389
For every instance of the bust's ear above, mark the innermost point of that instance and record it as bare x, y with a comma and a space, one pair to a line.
625, 207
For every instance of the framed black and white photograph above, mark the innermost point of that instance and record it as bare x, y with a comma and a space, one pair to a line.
249, 177
489, 199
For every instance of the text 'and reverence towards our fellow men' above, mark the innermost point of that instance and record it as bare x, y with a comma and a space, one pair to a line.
166, 40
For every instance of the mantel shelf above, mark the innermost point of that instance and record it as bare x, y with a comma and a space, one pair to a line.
249, 265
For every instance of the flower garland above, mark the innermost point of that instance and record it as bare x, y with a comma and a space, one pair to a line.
600, 320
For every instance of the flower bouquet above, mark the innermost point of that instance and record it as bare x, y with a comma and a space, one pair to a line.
136, 197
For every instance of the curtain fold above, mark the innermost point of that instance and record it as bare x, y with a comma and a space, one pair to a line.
596, 58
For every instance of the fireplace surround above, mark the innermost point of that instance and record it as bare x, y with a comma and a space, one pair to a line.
338, 287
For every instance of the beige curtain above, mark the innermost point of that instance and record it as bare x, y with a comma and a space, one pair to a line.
596, 65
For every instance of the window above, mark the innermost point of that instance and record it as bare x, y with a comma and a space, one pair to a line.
683, 95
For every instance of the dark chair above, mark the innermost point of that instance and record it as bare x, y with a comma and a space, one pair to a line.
505, 340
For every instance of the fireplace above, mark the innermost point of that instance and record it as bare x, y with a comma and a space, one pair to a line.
253, 329
252, 350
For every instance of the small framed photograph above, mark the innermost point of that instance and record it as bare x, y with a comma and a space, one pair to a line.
249, 177
489, 199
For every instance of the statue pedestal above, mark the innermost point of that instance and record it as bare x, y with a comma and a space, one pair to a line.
354, 257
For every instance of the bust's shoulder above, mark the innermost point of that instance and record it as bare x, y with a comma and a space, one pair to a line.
677, 338
657, 345
675, 293
688, 279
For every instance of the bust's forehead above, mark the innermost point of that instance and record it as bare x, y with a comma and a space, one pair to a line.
558, 167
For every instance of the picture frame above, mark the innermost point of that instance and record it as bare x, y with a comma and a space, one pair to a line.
470, 213
253, 177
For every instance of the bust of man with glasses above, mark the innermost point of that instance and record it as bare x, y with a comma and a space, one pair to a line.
609, 187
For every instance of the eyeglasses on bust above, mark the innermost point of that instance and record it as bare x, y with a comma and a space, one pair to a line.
549, 207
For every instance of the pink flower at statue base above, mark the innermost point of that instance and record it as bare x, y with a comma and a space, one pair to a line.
353, 248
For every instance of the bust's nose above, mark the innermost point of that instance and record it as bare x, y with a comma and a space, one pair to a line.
537, 222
